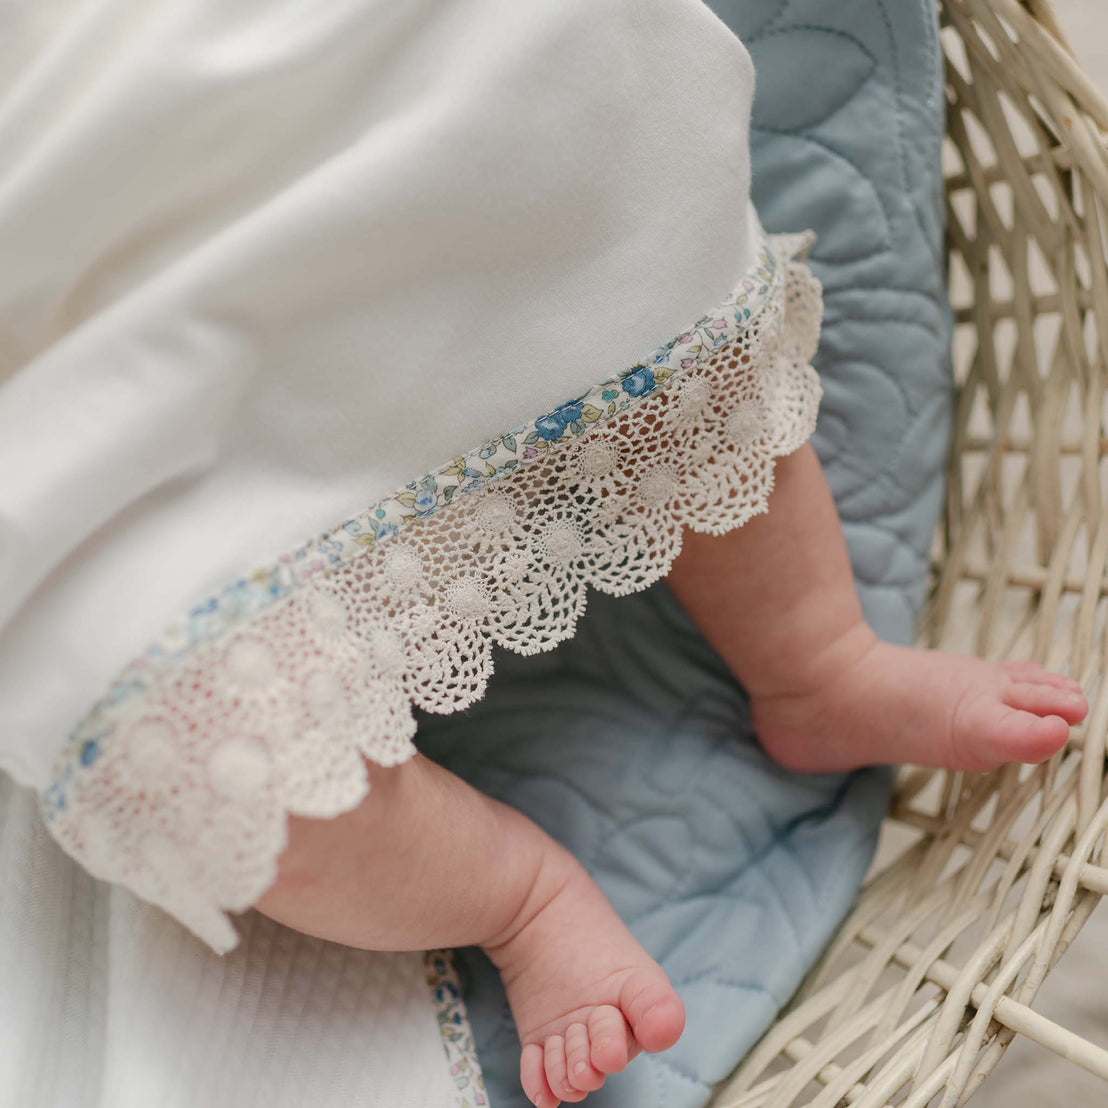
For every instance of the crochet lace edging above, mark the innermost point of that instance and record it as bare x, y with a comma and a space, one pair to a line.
268, 700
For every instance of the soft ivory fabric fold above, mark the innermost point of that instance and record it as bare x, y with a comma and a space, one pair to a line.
263, 264
267, 700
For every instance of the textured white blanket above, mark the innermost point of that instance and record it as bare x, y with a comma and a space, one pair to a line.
106, 1002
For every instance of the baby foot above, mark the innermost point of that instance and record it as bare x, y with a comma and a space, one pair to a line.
889, 704
585, 996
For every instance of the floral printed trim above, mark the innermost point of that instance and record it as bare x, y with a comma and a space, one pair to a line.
461, 476
269, 698
420, 499
457, 1035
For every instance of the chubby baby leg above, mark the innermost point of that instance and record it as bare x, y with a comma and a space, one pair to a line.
427, 861
776, 598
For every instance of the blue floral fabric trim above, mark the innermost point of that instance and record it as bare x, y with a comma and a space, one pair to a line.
272, 698
516, 448
457, 1036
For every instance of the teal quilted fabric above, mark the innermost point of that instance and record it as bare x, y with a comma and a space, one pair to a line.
632, 742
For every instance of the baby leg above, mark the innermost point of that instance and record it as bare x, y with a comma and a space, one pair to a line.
776, 598
427, 861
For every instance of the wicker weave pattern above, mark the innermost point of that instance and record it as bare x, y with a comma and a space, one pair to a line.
935, 971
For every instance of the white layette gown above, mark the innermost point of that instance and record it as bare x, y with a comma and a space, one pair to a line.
340, 340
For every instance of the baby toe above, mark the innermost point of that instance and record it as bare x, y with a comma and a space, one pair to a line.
582, 1073
653, 1009
1034, 674
1021, 736
532, 1076
1047, 700
554, 1064
610, 1040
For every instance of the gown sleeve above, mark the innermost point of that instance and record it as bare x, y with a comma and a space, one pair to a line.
345, 343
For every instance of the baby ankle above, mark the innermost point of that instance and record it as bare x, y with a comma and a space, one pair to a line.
531, 870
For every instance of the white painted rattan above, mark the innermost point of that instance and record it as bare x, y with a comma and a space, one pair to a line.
992, 875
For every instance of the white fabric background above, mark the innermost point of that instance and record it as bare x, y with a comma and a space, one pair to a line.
106, 1002
264, 263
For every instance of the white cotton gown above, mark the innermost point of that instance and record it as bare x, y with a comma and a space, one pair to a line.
356, 270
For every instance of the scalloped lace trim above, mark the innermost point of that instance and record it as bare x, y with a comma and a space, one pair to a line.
268, 698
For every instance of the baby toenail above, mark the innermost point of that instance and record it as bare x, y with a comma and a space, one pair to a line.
578, 1069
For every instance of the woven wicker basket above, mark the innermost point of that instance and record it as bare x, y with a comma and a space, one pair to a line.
993, 875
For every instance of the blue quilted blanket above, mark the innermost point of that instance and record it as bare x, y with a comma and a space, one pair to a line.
632, 743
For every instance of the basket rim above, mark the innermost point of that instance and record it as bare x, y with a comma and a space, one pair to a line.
1038, 24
